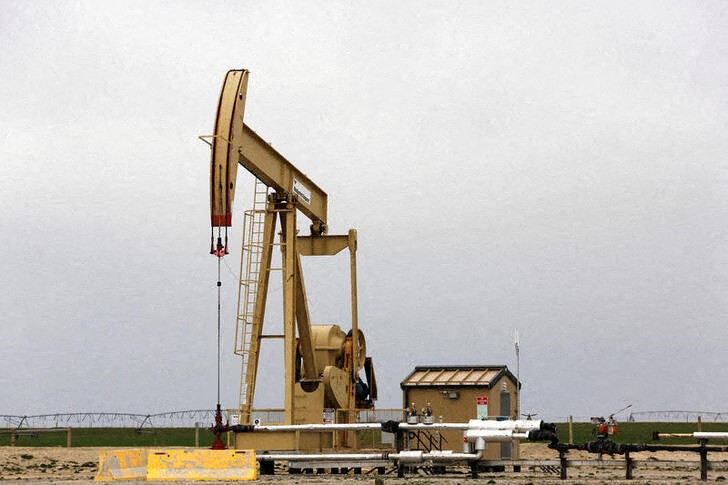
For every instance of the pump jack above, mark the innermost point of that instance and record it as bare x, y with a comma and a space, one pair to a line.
322, 364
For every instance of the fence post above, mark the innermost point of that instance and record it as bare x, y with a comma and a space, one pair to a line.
700, 423
227, 420
68, 437
197, 435
564, 464
571, 430
12, 438
703, 461
629, 464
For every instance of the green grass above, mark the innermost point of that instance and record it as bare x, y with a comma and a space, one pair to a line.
81, 437
641, 432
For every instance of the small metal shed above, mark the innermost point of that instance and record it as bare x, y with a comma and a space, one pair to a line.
460, 393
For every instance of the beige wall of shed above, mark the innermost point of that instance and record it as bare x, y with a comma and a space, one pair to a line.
463, 409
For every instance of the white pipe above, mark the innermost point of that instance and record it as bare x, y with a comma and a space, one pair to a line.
710, 435
701, 435
322, 457
318, 427
515, 425
452, 456
422, 426
479, 444
354, 427
410, 456
520, 425
494, 435
418, 456
413, 456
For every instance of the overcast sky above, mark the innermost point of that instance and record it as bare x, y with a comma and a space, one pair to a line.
556, 167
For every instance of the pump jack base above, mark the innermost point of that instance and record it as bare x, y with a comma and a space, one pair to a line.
284, 441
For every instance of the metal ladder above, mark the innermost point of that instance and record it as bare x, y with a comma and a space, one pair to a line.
247, 333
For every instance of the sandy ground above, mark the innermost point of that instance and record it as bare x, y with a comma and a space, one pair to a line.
77, 466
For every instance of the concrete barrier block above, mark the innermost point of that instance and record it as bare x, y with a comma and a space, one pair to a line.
201, 465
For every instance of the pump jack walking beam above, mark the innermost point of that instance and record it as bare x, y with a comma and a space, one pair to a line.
234, 142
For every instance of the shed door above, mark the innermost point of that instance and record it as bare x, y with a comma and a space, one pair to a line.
505, 411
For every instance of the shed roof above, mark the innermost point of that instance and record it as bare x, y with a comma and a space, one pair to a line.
449, 376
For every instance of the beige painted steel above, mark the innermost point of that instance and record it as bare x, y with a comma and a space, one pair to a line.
225, 141
261, 299
328, 341
303, 320
263, 161
329, 246
282, 441
322, 245
255, 259
234, 142
294, 310
354, 317
288, 236
338, 387
321, 346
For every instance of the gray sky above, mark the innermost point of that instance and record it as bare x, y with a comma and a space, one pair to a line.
556, 167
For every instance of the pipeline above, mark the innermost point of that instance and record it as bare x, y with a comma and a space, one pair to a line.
408, 457
699, 435
519, 426
609, 447
495, 435
287, 428
419, 456
475, 433
323, 457
388, 426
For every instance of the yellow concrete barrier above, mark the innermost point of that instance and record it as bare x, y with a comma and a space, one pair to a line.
122, 465
195, 465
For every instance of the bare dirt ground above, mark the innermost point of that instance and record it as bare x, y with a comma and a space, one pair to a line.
77, 466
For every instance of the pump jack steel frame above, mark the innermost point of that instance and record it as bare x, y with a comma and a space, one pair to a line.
234, 142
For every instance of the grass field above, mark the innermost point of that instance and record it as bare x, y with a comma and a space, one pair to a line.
640, 432
82, 437
85, 437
